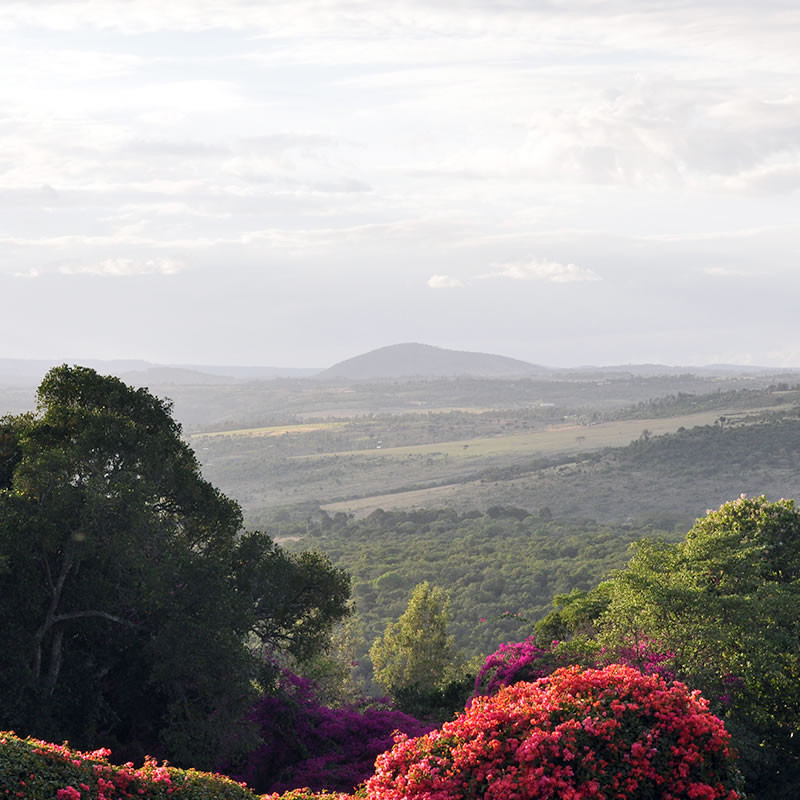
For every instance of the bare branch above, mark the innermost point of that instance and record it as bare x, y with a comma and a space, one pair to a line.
82, 614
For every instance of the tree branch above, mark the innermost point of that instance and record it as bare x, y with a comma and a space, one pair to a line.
81, 614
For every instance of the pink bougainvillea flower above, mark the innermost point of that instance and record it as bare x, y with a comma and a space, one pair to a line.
613, 733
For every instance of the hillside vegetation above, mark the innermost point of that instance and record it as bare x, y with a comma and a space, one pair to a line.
138, 612
577, 464
502, 568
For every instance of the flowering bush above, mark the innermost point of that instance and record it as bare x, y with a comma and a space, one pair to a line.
595, 733
34, 770
516, 661
528, 661
308, 744
307, 794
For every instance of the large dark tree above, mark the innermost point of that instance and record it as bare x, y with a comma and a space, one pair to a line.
133, 608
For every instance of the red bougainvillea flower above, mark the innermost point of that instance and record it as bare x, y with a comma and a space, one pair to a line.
594, 733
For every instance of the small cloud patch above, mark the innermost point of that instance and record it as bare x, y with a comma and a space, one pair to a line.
444, 282
541, 270
30, 274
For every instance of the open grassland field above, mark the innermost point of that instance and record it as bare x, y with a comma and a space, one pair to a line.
273, 430
551, 440
660, 489
528, 457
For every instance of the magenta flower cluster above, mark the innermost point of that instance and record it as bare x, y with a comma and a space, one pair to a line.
527, 661
306, 743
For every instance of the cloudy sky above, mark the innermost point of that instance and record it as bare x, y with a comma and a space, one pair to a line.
292, 183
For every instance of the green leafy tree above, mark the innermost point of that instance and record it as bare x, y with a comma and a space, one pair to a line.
416, 652
726, 602
133, 609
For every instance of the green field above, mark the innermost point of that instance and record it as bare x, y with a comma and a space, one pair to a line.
533, 456
552, 440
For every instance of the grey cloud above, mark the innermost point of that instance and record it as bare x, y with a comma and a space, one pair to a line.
173, 149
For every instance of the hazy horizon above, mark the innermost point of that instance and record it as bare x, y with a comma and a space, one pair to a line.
292, 184
199, 365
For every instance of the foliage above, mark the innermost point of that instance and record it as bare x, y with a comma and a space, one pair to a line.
307, 794
490, 563
437, 703
131, 596
31, 769
306, 743
575, 734
416, 652
726, 603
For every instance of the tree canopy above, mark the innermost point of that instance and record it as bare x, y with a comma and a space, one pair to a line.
135, 608
416, 652
726, 604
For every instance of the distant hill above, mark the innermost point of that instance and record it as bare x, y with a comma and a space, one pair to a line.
425, 361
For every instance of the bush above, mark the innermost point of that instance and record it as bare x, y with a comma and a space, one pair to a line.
309, 744
307, 794
34, 770
610, 732
513, 662
528, 661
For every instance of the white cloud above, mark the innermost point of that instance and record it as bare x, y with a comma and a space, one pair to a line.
29, 274
125, 267
769, 179
444, 282
541, 270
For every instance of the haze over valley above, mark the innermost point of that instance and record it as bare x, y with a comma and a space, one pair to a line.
414, 426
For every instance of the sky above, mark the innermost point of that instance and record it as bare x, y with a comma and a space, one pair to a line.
293, 183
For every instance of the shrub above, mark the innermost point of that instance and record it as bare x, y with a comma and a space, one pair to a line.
34, 770
528, 661
575, 734
309, 744
307, 794
513, 662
